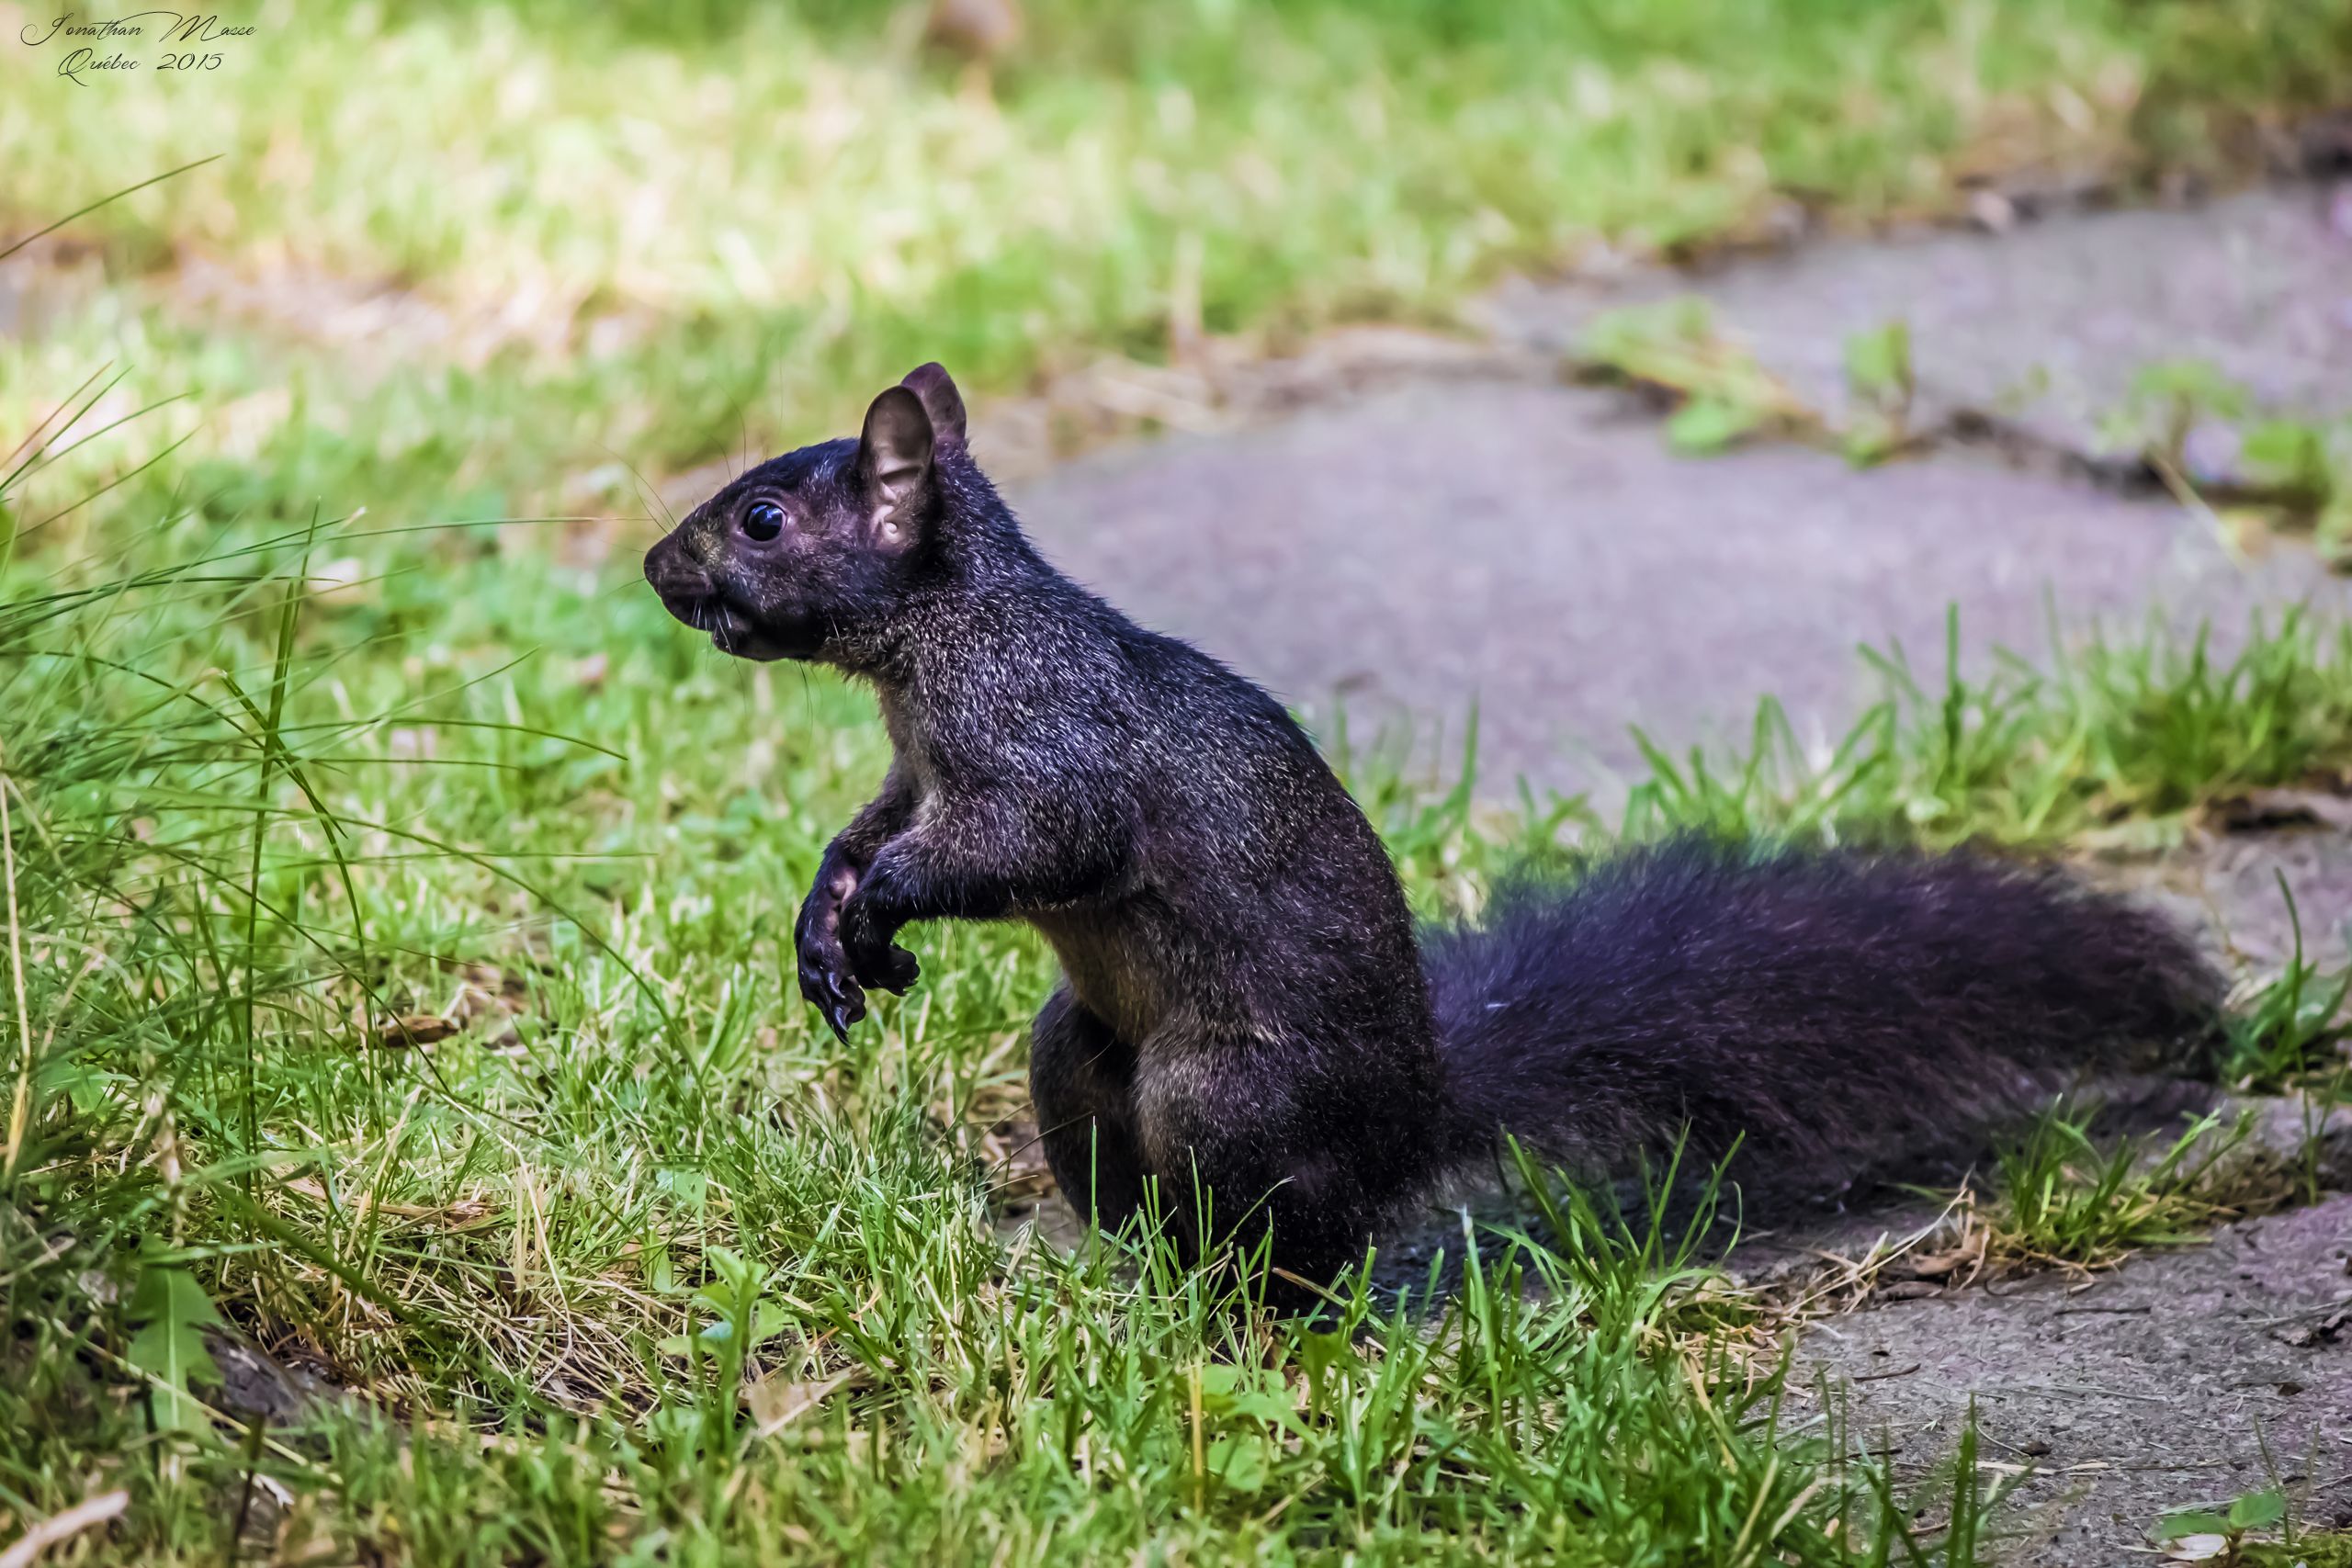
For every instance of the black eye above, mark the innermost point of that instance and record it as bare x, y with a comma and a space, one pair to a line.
763, 521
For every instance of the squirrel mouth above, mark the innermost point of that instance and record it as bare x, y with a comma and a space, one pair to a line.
729, 630
732, 632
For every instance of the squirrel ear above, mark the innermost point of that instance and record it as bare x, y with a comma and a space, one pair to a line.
940, 400
894, 463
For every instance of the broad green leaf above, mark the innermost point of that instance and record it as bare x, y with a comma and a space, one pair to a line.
1870, 440
1878, 363
2198, 383
2286, 451
1709, 424
1240, 1462
768, 1319
690, 1188
174, 1312
2192, 1521
1323, 1354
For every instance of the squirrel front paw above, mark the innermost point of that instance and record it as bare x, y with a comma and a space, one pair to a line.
826, 976
874, 959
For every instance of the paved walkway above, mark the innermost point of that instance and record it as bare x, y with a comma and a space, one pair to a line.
2114, 1399
1532, 549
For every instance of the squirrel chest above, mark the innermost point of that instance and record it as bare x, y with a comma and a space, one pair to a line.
1113, 961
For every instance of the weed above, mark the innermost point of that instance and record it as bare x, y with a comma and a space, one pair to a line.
2324, 1548
2197, 1534
2293, 1027
1719, 395
2166, 403
2294, 469
1879, 386
2065, 1200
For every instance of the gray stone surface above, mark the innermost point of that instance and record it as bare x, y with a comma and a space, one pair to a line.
1534, 549
2149, 1388
2260, 284
2229, 886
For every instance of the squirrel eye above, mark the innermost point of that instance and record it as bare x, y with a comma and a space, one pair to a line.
763, 521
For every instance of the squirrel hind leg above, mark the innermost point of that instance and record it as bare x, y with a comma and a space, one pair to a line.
1081, 1082
1237, 1127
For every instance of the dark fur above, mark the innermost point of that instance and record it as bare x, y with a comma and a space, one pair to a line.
1835, 1013
1244, 1010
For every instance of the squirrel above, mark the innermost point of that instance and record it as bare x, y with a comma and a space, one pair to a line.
1247, 1011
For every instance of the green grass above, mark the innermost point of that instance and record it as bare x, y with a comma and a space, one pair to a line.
2068, 1199
2327, 1549
2291, 1031
645, 1267
253, 825
2123, 740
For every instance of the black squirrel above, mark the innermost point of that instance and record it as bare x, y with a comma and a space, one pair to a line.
1246, 1009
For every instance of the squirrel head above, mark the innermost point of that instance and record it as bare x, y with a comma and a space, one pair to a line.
810, 555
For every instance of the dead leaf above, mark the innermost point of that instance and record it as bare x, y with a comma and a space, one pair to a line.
415, 1029
1909, 1290
1940, 1265
2195, 1547
303, 1535
776, 1403
2303, 1335
63, 1527
465, 1213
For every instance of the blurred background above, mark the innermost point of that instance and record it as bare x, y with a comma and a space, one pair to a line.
471, 259
541, 261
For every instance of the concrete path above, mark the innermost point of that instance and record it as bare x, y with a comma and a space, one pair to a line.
1504, 540
2109, 1401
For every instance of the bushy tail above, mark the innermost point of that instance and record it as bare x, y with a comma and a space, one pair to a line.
1837, 1011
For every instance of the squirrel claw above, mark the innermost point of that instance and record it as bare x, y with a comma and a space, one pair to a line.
839, 1003
876, 963
825, 987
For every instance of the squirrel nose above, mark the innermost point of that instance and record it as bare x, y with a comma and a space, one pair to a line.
673, 571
